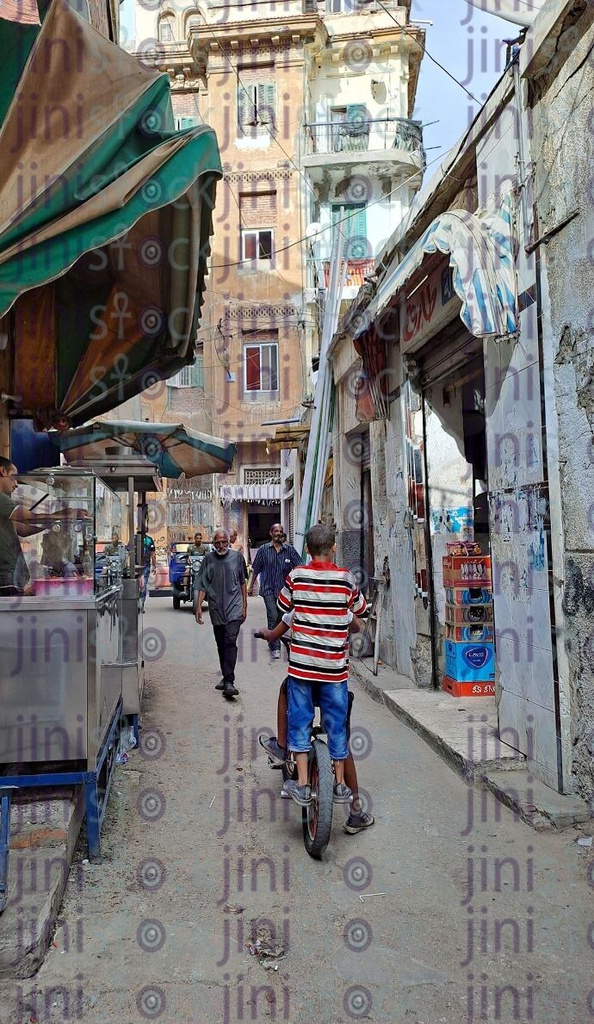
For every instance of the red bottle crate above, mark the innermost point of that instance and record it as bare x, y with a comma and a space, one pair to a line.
466, 570
478, 689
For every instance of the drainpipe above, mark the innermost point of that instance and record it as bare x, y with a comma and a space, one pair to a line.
514, 69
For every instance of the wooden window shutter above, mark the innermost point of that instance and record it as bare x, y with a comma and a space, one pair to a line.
267, 104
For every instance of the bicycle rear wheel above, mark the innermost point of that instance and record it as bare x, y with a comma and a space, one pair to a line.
317, 817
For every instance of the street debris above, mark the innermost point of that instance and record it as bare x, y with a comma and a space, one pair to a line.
368, 895
263, 947
212, 801
585, 841
233, 909
265, 952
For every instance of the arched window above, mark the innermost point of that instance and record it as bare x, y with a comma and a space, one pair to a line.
193, 19
166, 28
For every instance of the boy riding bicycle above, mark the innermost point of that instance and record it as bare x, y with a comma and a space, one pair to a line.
324, 598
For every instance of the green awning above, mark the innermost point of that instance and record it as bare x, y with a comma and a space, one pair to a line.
105, 219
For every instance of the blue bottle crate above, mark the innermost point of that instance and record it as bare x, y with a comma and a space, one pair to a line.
470, 662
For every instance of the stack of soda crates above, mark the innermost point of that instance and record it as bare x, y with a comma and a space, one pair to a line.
469, 642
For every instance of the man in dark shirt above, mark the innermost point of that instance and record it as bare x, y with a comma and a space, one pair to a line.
273, 563
222, 579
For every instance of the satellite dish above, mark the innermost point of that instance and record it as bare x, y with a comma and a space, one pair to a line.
313, 229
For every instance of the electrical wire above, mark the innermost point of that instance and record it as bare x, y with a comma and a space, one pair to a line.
322, 231
426, 51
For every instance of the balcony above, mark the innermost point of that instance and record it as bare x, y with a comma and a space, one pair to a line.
356, 272
375, 140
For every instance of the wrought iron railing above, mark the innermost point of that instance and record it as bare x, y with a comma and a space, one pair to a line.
357, 135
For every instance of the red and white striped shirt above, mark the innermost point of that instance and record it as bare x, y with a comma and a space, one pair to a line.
322, 596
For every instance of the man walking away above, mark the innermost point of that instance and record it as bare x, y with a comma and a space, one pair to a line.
273, 563
222, 579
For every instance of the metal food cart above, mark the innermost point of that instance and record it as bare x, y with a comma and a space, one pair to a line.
60, 647
126, 473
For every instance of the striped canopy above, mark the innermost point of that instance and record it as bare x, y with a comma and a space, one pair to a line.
481, 257
105, 218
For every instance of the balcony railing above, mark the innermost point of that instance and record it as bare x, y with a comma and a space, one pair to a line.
356, 272
360, 136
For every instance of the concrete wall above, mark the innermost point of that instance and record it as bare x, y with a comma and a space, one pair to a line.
562, 140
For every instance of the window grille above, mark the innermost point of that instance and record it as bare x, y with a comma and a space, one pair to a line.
269, 475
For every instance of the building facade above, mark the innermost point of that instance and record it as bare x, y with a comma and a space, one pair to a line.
476, 348
312, 110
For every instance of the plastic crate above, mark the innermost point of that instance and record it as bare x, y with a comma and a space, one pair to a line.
470, 633
468, 595
462, 615
466, 570
469, 663
476, 689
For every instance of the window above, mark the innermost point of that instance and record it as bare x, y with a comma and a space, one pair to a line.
256, 245
166, 27
189, 376
267, 475
186, 122
256, 100
352, 218
261, 367
341, 6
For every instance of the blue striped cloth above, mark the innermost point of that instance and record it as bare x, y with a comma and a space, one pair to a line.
273, 567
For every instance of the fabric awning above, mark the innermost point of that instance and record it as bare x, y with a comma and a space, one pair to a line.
483, 273
249, 492
105, 218
172, 447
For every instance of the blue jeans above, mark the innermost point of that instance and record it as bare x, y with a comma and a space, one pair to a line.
334, 706
274, 617
144, 591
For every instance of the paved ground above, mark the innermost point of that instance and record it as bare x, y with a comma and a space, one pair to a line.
447, 911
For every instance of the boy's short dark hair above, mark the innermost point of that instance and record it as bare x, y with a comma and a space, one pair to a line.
320, 539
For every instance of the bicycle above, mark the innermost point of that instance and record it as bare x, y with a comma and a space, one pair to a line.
316, 817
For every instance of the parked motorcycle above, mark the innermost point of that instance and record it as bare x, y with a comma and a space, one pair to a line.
184, 584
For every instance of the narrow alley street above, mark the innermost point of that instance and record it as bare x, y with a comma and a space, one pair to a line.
446, 911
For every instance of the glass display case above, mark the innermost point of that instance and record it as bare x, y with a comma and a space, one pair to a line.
62, 556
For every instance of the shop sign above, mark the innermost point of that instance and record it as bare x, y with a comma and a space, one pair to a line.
179, 494
426, 308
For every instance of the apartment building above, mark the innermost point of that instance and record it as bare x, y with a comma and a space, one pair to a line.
312, 106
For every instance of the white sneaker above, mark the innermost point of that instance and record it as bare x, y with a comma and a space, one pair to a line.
275, 654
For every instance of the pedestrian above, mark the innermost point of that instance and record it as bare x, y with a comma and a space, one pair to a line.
221, 580
234, 543
273, 563
17, 521
149, 562
323, 596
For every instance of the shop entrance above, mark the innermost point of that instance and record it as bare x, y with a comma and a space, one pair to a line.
259, 522
454, 436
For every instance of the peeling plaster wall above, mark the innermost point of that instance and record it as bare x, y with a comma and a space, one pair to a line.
562, 145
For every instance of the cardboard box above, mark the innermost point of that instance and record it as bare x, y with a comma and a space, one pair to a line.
469, 663
470, 633
463, 547
461, 615
457, 689
466, 570
468, 595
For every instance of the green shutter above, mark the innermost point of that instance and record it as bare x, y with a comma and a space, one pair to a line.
267, 104
353, 217
198, 372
